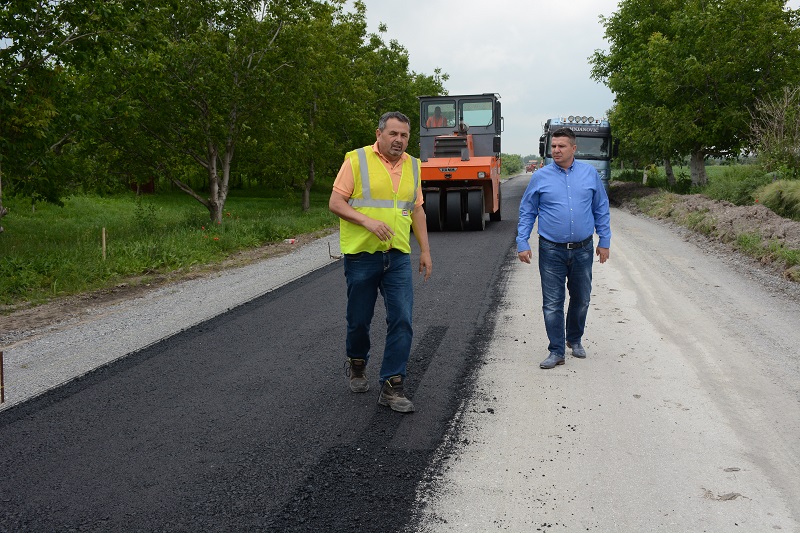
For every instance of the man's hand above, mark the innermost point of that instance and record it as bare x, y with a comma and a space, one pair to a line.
603, 254
339, 207
380, 229
425, 264
525, 256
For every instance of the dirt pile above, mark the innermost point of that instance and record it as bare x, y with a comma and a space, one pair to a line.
721, 221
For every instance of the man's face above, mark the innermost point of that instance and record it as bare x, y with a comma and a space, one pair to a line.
562, 150
393, 140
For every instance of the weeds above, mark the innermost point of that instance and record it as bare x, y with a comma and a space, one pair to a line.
783, 197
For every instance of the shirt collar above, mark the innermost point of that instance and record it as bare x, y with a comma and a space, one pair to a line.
377, 151
564, 170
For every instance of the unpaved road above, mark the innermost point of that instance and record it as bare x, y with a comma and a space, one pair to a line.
684, 417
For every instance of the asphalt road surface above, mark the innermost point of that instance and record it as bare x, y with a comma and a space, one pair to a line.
684, 417
246, 422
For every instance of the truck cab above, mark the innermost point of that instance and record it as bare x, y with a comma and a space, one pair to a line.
593, 137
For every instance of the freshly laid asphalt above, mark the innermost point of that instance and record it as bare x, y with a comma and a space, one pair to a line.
244, 420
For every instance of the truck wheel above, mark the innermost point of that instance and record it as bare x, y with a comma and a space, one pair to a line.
475, 222
433, 210
455, 214
495, 217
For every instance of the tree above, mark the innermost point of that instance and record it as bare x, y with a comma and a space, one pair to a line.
327, 91
98, 93
340, 80
512, 164
775, 131
43, 43
684, 84
207, 80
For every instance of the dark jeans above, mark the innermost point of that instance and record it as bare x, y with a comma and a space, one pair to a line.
557, 267
390, 273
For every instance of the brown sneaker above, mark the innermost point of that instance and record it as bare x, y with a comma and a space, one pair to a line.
356, 370
393, 396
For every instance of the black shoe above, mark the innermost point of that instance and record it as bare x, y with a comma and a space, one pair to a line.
392, 395
356, 370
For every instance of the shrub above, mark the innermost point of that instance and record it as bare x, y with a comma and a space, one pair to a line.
783, 197
737, 184
630, 175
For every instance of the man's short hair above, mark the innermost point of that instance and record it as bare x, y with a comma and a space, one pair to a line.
392, 114
565, 132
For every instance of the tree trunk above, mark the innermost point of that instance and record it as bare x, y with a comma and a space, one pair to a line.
218, 186
311, 172
214, 209
669, 172
3, 210
697, 165
308, 184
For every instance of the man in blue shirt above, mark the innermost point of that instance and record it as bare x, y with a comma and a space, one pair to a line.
571, 203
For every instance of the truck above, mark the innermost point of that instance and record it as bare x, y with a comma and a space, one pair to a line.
593, 137
459, 145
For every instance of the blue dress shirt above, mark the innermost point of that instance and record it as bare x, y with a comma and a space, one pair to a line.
571, 205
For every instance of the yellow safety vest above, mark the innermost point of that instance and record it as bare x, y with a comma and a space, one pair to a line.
374, 196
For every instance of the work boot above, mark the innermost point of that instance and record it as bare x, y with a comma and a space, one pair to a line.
393, 396
356, 370
577, 350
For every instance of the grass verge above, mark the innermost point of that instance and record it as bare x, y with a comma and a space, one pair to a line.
49, 251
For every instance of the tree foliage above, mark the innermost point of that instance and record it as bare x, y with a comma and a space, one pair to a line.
512, 164
201, 94
686, 74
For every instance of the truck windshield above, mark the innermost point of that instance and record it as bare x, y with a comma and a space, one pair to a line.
439, 114
592, 147
477, 113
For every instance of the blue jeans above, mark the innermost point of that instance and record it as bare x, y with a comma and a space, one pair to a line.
390, 273
557, 267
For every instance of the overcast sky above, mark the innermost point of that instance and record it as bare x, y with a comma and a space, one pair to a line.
533, 53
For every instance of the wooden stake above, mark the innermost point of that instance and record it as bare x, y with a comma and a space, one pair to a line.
104, 243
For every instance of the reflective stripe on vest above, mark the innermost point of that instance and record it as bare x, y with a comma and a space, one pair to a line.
367, 200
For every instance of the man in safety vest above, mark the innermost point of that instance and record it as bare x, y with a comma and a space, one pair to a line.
378, 199
436, 120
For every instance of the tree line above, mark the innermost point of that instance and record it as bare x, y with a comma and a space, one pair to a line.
204, 95
700, 78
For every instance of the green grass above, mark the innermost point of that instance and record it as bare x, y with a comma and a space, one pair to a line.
54, 251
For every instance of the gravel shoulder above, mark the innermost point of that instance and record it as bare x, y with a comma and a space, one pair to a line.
685, 416
49, 345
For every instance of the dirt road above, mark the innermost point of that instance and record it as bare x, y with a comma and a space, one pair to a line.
684, 417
